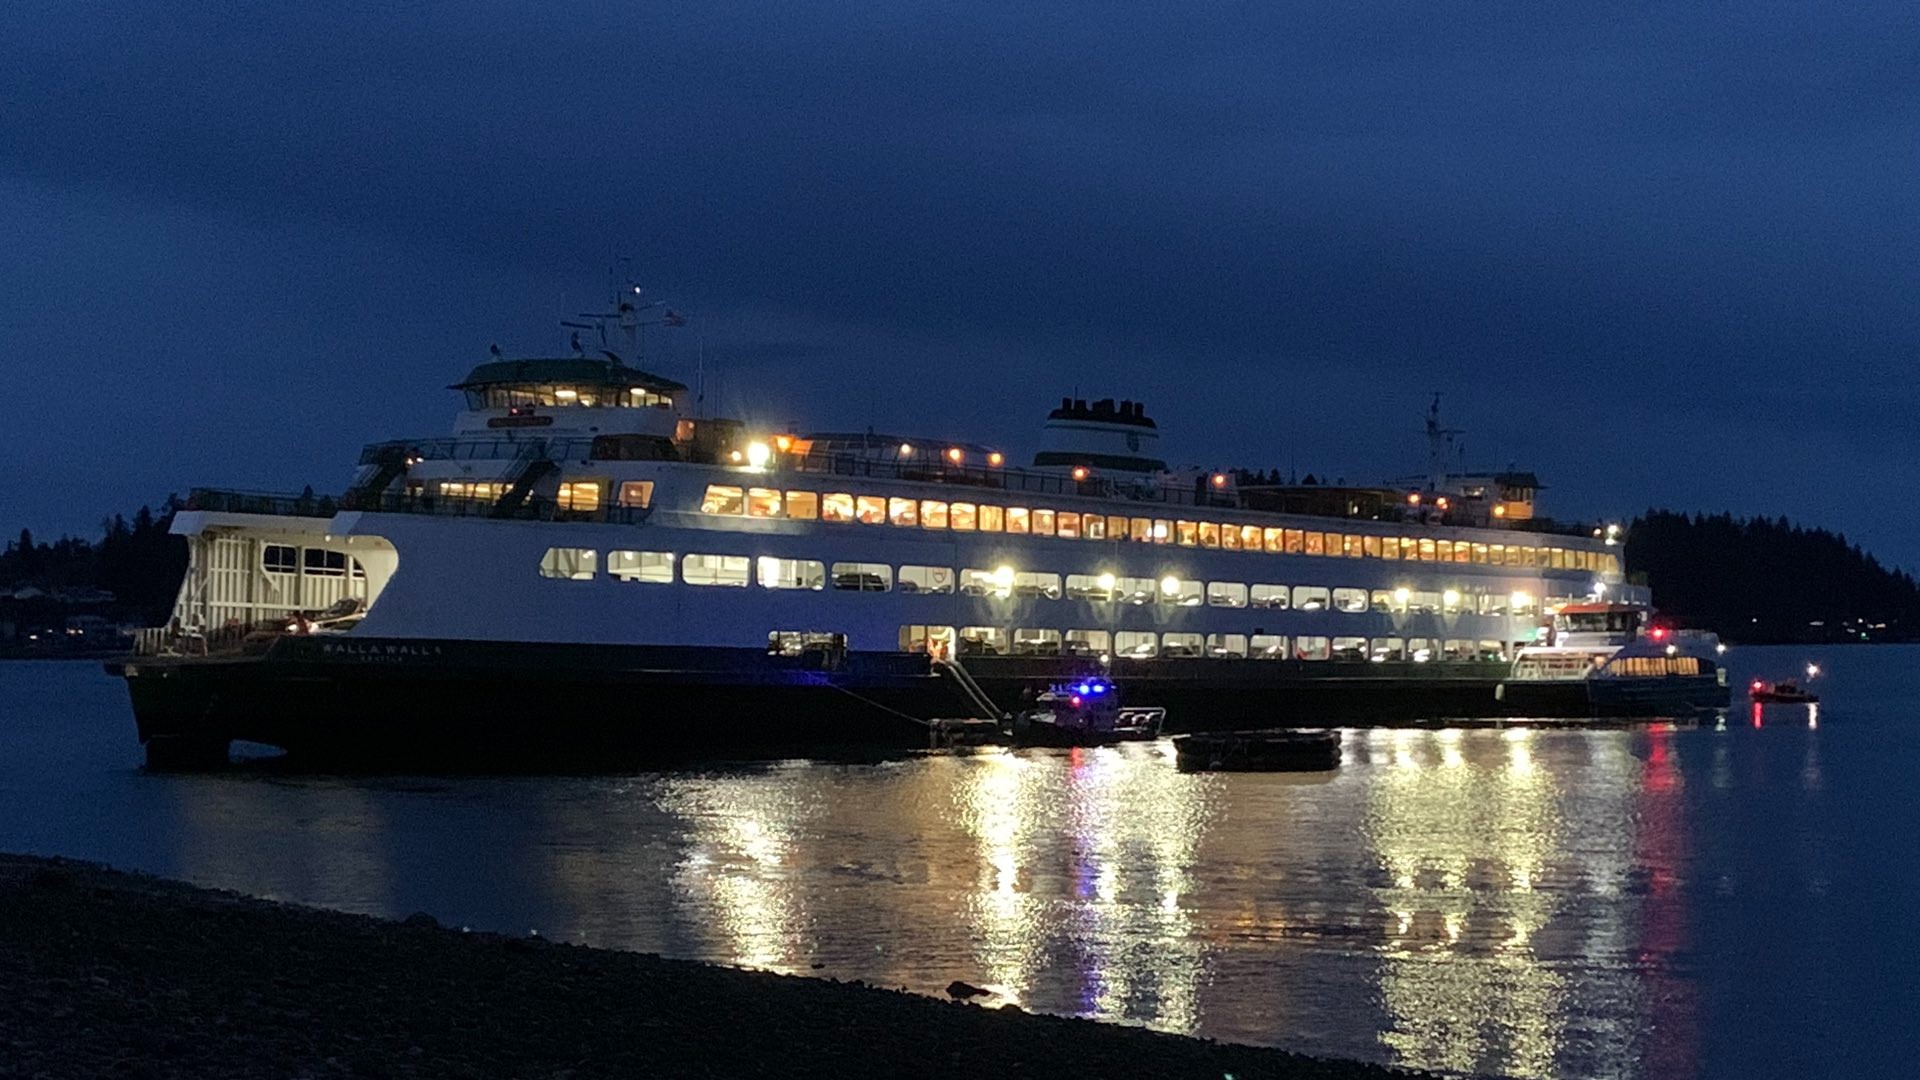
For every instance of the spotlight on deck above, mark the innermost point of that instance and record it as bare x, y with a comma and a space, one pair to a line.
758, 454
996, 459
1169, 585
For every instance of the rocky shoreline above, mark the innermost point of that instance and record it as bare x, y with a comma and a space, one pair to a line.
110, 974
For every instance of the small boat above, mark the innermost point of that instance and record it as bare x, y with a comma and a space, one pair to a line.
1083, 713
1258, 751
1785, 692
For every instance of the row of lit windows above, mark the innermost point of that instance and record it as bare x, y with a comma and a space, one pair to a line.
506, 397
770, 572
578, 496
844, 508
1143, 644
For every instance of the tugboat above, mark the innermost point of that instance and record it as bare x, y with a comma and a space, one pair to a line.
1784, 692
1083, 713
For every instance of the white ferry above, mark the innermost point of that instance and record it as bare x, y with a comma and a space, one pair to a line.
587, 565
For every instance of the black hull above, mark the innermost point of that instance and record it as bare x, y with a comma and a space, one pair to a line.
370, 703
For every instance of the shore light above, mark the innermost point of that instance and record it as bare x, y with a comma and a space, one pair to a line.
955, 455
1169, 585
996, 459
757, 454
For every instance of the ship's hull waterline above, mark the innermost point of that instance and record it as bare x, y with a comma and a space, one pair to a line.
412, 704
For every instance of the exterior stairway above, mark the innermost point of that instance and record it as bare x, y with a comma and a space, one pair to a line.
532, 467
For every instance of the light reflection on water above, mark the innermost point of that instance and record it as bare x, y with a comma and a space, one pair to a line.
1515, 902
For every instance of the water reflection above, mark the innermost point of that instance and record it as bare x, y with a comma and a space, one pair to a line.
1505, 902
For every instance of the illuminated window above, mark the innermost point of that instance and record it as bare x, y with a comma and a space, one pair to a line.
582, 495
1036, 642
1514, 556
1267, 647
1226, 594
803, 505
721, 499
993, 519
1135, 590
926, 579
764, 503
1181, 592
1492, 651
862, 577
1443, 551
280, 559
920, 639
1420, 650
1273, 597
1388, 650
1250, 537
870, 509
1458, 650
1227, 646
903, 512
1136, 644
1497, 554
1350, 600
1274, 541
986, 583
1209, 534
1089, 586
635, 494
1312, 648
1382, 601
728, 570
1334, 548
1162, 531
1316, 544
1019, 521
982, 640
651, 567
1296, 542
1042, 522
1140, 530
1087, 643
1426, 549
1118, 527
1229, 538
1036, 585
1462, 551
572, 564
1370, 546
791, 573
1186, 533
933, 514
1390, 547
1349, 649
1310, 597
1350, 546
1067, 525
1182, 645
837, 506
964, 517
1094, 526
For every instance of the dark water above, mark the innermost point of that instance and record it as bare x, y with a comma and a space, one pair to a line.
1645, 903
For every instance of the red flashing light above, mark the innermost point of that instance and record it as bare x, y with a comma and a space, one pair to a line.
1659, 633
1758, 686
1076, 701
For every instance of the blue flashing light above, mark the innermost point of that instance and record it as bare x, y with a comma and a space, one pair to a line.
1099, 688
1083, 688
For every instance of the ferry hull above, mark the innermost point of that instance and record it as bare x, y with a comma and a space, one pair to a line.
411, 704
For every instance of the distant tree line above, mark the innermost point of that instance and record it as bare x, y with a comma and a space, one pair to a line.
137, 561
1768, 580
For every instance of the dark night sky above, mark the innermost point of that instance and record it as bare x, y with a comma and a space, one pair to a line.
1663, 253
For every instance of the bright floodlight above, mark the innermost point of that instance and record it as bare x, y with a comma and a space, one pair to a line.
1520, 599
757, 454
1106, 582
1812, 670
1169, 584
1402, 594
